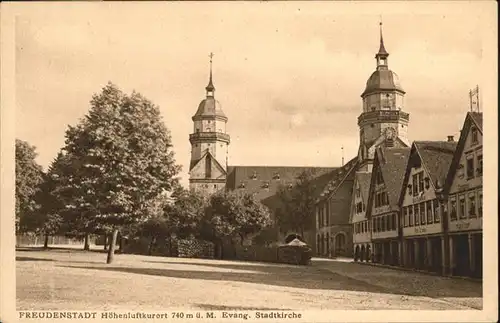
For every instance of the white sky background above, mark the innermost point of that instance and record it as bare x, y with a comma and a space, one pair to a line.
288, 75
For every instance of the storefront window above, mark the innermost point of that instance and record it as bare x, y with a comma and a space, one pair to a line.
417, 214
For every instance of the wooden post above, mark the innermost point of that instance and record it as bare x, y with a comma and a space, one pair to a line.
471, 255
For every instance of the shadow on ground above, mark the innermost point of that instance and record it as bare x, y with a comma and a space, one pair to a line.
308, 279
33, 259
211, 307
312, 271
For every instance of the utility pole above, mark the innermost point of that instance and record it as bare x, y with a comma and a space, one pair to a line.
342, 155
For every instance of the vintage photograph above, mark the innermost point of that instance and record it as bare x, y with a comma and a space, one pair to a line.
249, 160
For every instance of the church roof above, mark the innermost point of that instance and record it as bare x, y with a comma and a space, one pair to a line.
383, 80
264, 181
209, 107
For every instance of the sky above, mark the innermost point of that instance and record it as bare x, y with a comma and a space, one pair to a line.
288, 75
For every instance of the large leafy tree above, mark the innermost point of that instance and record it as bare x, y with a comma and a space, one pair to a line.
48, 217
233, 214
297, 204
28, 177
121, 159
185, 214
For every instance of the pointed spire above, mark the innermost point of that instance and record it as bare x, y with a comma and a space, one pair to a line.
381, 50
210, 87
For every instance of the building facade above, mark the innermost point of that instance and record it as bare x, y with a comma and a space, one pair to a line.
361, 227
464, 189
423, 233
383, 204
332, 210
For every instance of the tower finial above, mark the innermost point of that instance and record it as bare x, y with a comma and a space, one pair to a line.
210, 87
381, 50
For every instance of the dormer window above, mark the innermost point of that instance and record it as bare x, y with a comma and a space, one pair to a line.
254, 175
265, 185
276, 176
242, 185
290, 186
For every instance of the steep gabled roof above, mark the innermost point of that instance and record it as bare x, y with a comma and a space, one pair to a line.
471, 118
207, 154
477, 117
392, 163
364, 178
436, 158
337, 178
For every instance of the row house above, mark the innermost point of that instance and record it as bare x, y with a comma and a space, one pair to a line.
423, 241
464, 190
361, 227
333, 230
425, 205
383, 203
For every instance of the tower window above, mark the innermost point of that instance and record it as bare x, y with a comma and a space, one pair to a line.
197, 130
373, 108
372, 125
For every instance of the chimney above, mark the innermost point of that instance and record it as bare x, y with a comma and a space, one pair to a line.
450, 139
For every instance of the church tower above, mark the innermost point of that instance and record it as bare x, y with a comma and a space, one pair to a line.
383, 121
209, 144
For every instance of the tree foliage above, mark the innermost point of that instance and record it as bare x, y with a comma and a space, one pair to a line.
185, 214
231, 214
28, 178
298, 204
118, 159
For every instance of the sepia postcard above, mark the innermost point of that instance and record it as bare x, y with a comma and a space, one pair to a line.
279, 161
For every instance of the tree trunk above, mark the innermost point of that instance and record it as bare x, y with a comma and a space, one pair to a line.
86, 245
105, 242
241, 239
112, 246
151, 244
46, 242
121, 244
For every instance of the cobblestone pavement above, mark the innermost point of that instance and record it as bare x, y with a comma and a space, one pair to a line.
77, 280
408, 283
